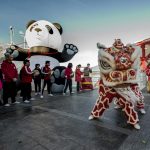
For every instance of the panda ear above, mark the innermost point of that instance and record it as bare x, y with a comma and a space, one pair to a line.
29, 23
58, 26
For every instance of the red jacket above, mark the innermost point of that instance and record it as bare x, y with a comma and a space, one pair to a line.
78, 74
46, 71
68, 73
26, 75
9, 71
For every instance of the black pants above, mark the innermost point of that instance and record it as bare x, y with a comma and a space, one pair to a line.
37, 83
26, 91
9, 90
1, 103
49, 84
78, 86
68, 82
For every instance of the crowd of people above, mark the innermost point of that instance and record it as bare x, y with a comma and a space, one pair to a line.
11, 81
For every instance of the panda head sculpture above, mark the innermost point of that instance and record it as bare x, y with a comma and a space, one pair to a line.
43, 33
44, 41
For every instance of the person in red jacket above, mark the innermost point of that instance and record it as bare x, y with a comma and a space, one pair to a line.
26, 79
10, 76
1, 84
78, 74
46, 72
148, 75
68, 82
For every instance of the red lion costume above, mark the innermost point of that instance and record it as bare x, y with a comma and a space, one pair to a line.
118, 81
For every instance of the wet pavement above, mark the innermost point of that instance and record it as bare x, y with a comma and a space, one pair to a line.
61, 123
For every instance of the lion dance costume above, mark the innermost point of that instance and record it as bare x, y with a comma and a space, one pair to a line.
118, 81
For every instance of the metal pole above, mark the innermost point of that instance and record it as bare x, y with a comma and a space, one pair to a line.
24, 40
11, 35
24, 44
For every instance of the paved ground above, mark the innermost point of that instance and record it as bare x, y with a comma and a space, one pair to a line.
61, 123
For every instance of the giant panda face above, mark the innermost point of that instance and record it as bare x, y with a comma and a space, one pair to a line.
43, 33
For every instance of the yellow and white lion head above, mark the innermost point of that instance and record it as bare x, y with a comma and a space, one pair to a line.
118, 63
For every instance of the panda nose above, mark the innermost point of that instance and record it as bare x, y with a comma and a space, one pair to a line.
38, 29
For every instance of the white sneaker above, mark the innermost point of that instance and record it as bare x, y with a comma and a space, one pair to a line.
32, 99
16, 102
36, 94
137, 126
41, 96
50, 94
20, 97
64, 93
7, 105
26, 101
142, 111
72, 92
91, 117
117, 107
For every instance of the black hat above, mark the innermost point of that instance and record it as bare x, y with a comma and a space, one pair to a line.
46, 62
7, 55
25, 61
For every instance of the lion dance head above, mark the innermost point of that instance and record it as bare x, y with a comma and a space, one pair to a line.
118, 64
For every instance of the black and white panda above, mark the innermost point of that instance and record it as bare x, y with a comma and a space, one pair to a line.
44, 41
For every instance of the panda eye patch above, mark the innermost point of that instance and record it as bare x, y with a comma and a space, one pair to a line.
33, 26
50, 30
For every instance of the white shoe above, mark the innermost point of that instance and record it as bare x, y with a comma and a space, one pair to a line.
26, 101
16, 102
72, 92
117, 107
41, 96
36, 94
91, 117
142, 111
64, 93
39, 93
32, 99
7, 105
137, 126
50, 94
20, 97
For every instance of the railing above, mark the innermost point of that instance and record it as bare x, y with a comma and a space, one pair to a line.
142, 79
95, 77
